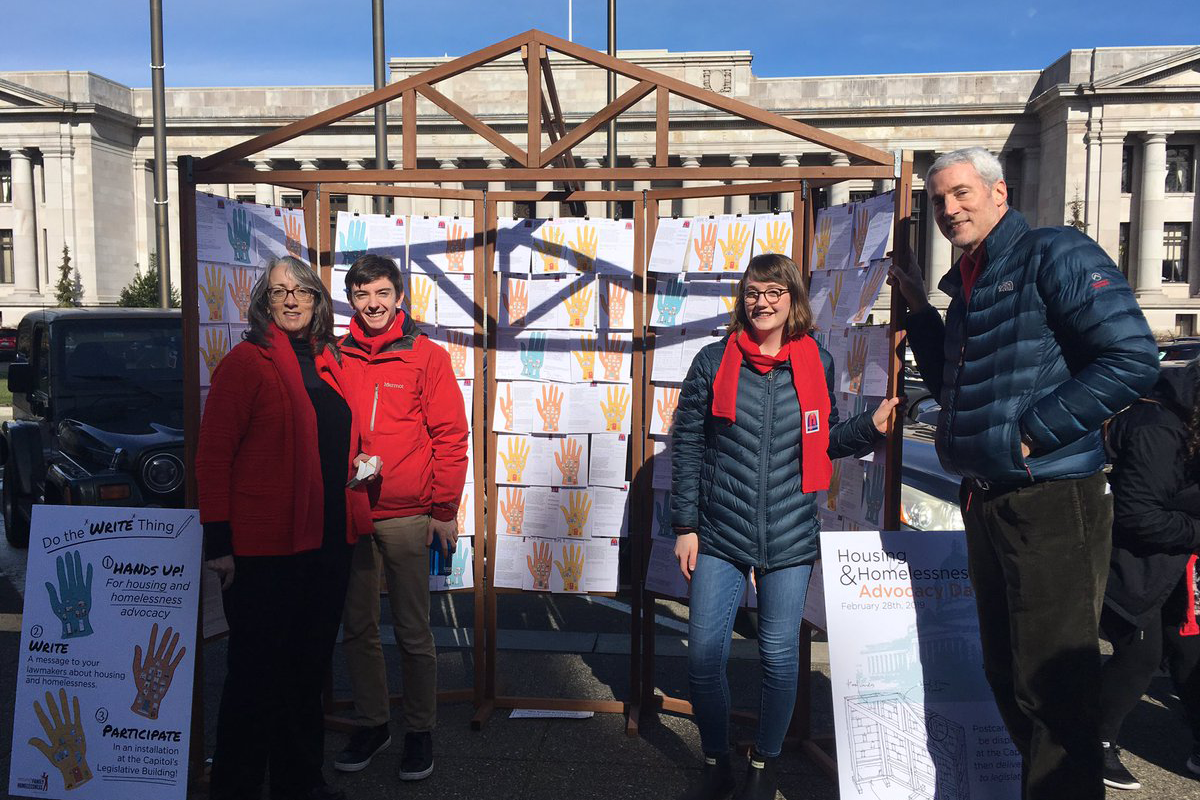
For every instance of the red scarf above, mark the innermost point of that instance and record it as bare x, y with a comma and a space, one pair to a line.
1189, 626
969, 266
808, 376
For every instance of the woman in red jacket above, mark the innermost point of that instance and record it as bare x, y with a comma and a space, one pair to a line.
273, 460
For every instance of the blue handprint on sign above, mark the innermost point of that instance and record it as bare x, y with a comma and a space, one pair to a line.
353, 243
72, 602
874, 492
670, 301
457, 567
240, 235
533, 355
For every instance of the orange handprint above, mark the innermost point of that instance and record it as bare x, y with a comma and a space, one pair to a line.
856, 363
549, 246
584, 247
615, 409
821, 241
460, 516
571, 566
734, 244
292, 235
870, 288
456, 247
579, 305
667, 406
239, 290
420, 292
539, 566
614, 304
516, 300
576, 513
549, 407
862, 219
506, 406
567, 458
512, 508
213, 290
612, 355
705, 245
216, 345
586, 356
835, 486
457, 343
514, 459
777, 238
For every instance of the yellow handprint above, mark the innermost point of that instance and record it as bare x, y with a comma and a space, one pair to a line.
836, 292
584, 246
420, 292
571, 566
457, 343
612, 356
213, 290
821, 242
729, 297
862, 219
567, 458
539, 566
667, 406
705, 244
870, 289
857, 362
576, 513
734, 244
614, 304
550, 246
506, 406
549, 408
578, 305
216, 345
586, 356
456, 247
516, 301
512, 508
514, 459
615, 409
65, 746
778, 234
239, 290
292, 235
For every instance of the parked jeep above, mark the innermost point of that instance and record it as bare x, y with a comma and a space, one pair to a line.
98, 412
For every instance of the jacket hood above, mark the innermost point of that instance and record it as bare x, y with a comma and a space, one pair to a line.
1177, 387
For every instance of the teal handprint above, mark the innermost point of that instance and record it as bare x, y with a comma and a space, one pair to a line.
533, 355
352, 244
670, 301
457, 567
72, 602
239, 235
874, 492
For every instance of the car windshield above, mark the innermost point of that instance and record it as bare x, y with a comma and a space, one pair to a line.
144, 354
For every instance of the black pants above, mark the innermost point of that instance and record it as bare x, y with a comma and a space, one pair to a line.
1038, 558
283, 614
1138, 652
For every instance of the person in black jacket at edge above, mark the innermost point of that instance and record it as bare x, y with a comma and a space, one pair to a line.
1042, 342
1149, 605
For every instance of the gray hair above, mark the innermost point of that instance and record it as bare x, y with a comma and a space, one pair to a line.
320, 330
986, 164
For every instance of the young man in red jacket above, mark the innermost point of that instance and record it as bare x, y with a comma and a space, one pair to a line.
410, 412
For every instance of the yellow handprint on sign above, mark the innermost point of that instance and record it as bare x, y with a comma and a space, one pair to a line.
576, 513
514, 459
614, 302
571, 566
705, 246
512, 508
584, 247
539, 566
586, 356
516, 301
836, 292
667, 406
778, 234
734, 244
456, 247
239, 291
216, 345
420, 292
506, 407
612, 356
457, 343
567, 458
549, 408
615, 409
857, 362
862, 219
292, 235
821, 242
870, 289
549, 246
579, 305
729, 297
213, 290
65, 746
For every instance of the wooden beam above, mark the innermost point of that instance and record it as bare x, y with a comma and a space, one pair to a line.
533, 85
725, 191
429, 192
593, 123
558, 195
662, 127
408, 128
474, 123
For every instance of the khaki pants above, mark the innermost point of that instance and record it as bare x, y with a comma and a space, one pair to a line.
400, 542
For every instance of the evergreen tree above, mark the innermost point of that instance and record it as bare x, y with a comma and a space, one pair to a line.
66, 293
142, 291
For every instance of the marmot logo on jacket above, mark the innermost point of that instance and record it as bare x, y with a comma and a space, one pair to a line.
390, 385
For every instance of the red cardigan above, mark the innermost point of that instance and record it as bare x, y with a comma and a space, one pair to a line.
244, 458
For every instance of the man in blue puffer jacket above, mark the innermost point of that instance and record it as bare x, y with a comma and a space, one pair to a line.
1042, 342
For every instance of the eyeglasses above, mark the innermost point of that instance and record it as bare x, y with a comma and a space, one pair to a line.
303, 296
751, 295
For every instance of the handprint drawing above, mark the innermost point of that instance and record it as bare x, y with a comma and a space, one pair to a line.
239, 232
549, 245
292, 235
862, 219
612, 356
584, 248
420, 292
615, 408
239, 291
533, 356
539, 566
65, 746
506, 406
667, 406
567, 459
856, 363
352, 242
579, 305
835, 486
734, 245
71, 601
870, 290
576, 512
571, 566
216, 345
835, 293
516, 301
586, 356
776, 240
549, 407
514, 459
456, 247
213, 290
614, 302
704, 242
457, 344
821, 242
152, 675
458, 567
512, 508
670, 301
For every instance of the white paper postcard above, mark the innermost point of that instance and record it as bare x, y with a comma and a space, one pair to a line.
669, 252
773, 234
609, 459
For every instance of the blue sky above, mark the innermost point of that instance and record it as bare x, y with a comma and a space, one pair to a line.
307, 42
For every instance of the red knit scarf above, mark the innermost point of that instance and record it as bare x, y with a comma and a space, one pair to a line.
808, 376
1189, 626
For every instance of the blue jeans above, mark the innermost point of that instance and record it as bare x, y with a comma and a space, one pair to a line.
717, 589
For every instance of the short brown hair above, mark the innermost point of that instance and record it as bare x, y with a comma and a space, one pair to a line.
775, 268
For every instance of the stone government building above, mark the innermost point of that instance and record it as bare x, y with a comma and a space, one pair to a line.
1106, 137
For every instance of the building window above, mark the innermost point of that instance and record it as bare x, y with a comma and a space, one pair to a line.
290, 200
337, 202
1181, 160
1175, 251
5, 181
763, 203
1126, 169
523, 209
858, 197
245, 198
624, 209
1123, 249
6, 256
1185, 324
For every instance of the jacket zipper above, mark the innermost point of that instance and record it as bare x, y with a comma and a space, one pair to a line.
374, 406
764, 464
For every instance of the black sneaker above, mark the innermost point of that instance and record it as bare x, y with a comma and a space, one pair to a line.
1115, 774
417, 761
761, 782
715, 781
363, 745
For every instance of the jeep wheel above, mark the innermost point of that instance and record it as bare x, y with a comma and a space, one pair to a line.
17, 510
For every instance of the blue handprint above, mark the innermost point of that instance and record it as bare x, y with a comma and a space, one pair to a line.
72, 602
353, 243
533, 355
457, 567
670, 301
239, 235
874, 492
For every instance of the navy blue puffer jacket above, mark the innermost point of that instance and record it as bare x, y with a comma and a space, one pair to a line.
1051, 344
738, 484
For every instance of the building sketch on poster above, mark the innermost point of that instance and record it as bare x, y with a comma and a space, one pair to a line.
772, 234
668, 253
833, 239
734, 233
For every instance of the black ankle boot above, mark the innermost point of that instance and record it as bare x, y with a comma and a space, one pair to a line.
715, 781
760, 779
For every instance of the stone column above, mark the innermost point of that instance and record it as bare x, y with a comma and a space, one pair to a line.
175, 268
449, 208
739, 204
595, 208
264, 192
358, 203
503, 209
690, 206
1194, 248
643, 162
883, 185
24, 217
787, 199
545, 209
1152, 202
1031, 166
840, 192
401, 206
1108, 216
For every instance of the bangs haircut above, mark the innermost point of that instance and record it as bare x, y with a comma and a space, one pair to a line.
775, 268
370, 268
320, 330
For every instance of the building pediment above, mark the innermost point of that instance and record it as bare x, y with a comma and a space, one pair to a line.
1181, 70
14, 95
